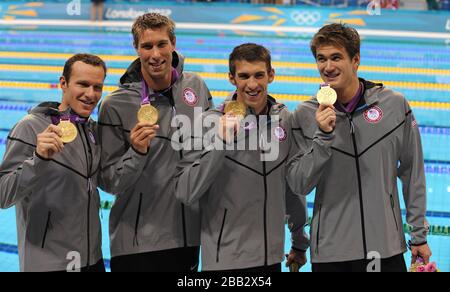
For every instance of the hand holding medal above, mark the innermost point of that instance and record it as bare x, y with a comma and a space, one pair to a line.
147, 116
234, 112
326, 95
235, 108
49, 142
325, 115
147, 113
228, 128
68, 130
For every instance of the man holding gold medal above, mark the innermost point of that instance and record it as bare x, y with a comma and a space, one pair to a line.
357, 224
50, 174
150, 230
243, 194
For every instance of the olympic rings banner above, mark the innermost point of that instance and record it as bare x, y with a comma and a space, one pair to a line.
220, 13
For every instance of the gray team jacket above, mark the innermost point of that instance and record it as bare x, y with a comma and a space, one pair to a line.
57, 202
146, 216
242, 198
357, 207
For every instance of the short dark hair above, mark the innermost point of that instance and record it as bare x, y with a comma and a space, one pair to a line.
337, 34
152, 21
85, 58
251, 53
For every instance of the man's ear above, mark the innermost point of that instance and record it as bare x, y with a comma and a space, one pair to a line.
137, 52
232, 79
63, 83
271, 75
136, 47
174, 43
356, 62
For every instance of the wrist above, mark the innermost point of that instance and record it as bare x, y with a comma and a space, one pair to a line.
140, 151
41, 156
417, 244
298, 249
326, 131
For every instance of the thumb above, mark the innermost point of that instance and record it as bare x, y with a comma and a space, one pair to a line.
414, 256
322, 107
288, 260
426, 258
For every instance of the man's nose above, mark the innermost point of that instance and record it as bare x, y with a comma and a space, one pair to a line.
252, 84
329, 66
155, 54
90, 92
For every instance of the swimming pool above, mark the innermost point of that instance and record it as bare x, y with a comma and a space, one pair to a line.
417, 68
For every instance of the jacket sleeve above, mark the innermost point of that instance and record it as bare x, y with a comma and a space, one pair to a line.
296, 207
209, 98
412, 174
199, 167
21, 169
121, 165
297, 220
312, 153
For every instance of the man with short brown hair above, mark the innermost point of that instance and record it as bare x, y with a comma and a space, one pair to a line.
150, 230
357, 207
242, 189
50, 174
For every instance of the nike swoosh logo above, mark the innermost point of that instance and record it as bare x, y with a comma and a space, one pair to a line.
194, 268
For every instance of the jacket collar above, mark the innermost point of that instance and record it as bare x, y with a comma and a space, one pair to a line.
51, 110
370, 95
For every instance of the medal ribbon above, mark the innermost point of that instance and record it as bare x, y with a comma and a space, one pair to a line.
353, 103
75, 119
355, 100
146, 96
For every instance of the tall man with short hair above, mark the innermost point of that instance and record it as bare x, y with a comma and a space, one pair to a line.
149, 229
357, 206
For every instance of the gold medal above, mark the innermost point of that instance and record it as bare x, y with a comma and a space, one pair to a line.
148, 113
327, 96
69, 131
236, 108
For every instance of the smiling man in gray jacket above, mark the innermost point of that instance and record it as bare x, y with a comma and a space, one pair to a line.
54, 185
149, 229
357, 215
241, 187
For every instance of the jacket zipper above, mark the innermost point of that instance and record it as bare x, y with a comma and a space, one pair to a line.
358, 169
393, 211
136, 225
269, 121
318, 230
183, 208
220, 234
265, 213
89, 187
89, 223
183, 214
47, 225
